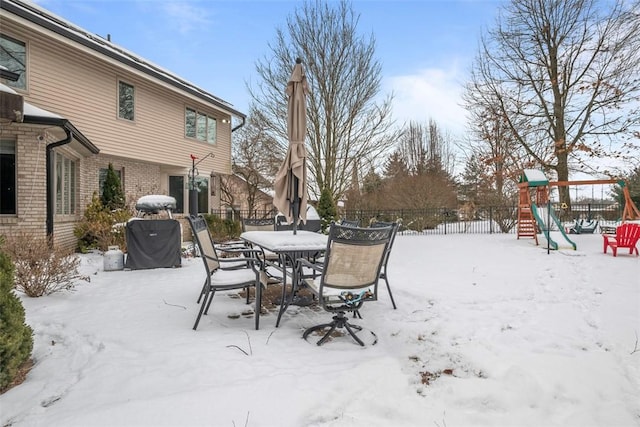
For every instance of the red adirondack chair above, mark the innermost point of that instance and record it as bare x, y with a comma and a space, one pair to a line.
627, 236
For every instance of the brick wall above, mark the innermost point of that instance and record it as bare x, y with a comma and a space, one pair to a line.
139, 179
31, 183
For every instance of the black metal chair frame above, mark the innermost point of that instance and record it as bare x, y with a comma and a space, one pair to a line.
213, 264
346, 242
383, 272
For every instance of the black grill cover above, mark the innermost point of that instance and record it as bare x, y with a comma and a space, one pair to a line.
153, 243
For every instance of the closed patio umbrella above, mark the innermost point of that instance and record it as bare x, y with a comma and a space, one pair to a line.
291, 179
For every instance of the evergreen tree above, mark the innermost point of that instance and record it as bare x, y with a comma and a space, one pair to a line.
16, 338
326, 209
112, 195
632, 181
395, 166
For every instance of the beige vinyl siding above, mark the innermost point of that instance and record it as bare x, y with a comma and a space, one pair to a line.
84, 89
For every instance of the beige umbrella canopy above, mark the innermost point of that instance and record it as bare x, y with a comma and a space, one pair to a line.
291, 179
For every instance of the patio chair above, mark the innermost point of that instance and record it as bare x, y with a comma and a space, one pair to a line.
313, 225
263, 224
350, 222
258, 224
385, 262
627, 236
348, 277
242, 275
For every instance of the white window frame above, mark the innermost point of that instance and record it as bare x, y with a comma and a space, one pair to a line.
205, 126
66, 185
121, 115
22, 82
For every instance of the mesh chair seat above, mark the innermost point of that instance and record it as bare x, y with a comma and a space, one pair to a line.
231, 278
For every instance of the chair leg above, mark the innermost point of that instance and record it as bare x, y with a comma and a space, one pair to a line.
202, 307
211, 294
258, 303
204, 288
389, 289
339, 321
350, 329
331, 325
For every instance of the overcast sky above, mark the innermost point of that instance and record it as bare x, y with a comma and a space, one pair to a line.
425, 46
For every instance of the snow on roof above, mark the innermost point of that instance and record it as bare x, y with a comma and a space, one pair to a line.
534, 177
97, 43
5, 88
33, 111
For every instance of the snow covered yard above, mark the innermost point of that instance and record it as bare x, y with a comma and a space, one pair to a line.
489, 330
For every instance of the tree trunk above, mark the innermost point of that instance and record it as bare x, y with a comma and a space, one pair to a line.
562, 170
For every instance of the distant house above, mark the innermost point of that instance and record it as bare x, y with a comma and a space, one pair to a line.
245, 199
73, 102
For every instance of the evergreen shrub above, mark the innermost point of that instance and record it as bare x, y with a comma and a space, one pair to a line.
16, 337
101, 227
326, 209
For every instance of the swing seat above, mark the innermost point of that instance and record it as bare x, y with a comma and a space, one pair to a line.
583, 226
627, 236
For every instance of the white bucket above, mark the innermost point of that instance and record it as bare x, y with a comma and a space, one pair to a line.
113, 259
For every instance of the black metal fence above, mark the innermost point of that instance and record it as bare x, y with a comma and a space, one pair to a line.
483, 220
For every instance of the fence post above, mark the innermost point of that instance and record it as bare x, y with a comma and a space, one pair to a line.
490, 219
445, 220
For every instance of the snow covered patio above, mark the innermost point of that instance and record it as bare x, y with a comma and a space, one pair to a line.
489, 331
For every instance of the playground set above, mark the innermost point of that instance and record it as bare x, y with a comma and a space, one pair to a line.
534, 215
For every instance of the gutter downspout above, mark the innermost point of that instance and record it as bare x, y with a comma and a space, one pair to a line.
50, 211
244, 120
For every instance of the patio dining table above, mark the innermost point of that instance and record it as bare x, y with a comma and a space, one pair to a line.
288, 247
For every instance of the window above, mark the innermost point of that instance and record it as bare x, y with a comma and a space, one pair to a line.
200, 126
66, 185
13, 56
102, 175
125, 101
7, 177
176, 190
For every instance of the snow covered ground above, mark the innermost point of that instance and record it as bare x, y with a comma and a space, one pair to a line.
489, 331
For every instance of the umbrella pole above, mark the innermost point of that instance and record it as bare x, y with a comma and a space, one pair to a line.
296, 204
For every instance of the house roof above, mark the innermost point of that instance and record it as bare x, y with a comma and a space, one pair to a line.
39, 16
34, 115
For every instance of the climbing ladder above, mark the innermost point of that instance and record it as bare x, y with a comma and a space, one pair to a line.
526, 222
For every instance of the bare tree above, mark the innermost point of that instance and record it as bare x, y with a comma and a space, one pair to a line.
256, 158
345, 122
417, 175
426, 146
563, 74
494, 157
